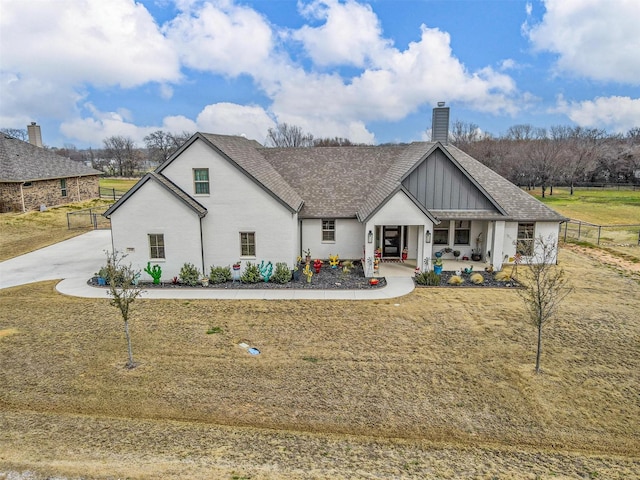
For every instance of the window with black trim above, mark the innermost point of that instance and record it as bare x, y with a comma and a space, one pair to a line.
156, 245
462, 234
441, 234
526, 232
328, 230
63, 187
247, 244
201, 181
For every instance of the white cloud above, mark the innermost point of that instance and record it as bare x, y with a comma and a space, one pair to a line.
593, 38
232, 119
84, 41
227, 39
351, 33
619, 114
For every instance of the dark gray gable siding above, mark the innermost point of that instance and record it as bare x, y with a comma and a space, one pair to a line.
438, 184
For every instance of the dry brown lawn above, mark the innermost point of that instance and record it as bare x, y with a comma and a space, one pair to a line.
437, 384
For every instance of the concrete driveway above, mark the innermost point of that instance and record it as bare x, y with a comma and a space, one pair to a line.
78, 257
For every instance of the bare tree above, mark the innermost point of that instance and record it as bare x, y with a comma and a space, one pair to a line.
162, 145
462, 133
579, 152
285, 135
19, 133
123, 290
545, 287
121, 150
333, 142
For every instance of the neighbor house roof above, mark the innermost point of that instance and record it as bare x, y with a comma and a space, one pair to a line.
22, 162
168, 185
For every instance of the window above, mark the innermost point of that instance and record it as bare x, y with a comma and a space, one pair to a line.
525, 239
27, 184
156, 245
328, 230
247, 244
462, 232
201, 181
63, 186
441, 234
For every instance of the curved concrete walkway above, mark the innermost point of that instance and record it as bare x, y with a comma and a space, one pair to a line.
77, 259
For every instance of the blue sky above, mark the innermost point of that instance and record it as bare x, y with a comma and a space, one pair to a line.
370, 71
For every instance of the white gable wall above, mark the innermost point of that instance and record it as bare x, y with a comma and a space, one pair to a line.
154, 210
235, 204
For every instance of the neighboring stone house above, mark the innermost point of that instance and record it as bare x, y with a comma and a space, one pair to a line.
31, 176
220, 199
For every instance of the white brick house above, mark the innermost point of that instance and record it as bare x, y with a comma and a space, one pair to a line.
221, 199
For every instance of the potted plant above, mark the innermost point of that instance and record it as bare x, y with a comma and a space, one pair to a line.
307, 255
437, 266
456, 253
405, 253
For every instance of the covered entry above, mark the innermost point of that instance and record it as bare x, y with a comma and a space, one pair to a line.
392, 240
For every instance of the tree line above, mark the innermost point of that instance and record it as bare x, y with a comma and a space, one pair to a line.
528, 156
561, 155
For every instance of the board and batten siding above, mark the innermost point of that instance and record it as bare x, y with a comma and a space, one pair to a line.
235, 203
438, 184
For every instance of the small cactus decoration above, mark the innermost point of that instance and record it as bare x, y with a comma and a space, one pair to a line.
155, 272
307, 272
266, 270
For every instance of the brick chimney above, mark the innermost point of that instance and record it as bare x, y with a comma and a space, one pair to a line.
35, 136
440, 124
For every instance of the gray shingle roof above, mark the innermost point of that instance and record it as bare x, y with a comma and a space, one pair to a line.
332, 180
169, 186
22, 162
517, 204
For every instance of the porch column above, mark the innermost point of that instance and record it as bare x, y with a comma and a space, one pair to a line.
497, 248
369, 249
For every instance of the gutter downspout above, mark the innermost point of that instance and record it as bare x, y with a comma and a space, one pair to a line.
22, 197
202, 248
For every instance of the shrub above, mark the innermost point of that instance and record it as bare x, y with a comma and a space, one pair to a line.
251, 274
456, 280
502, 276
189, 274
220, 274
476, 278
282, 274
428, 278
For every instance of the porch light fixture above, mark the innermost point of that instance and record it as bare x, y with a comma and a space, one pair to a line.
370, 237
427, 237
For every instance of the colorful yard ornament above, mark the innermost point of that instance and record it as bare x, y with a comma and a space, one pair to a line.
334, 260
317, 265
266, 270
307, 272
155, 272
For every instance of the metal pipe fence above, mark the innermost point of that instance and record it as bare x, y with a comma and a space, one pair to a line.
88, 218
601, 234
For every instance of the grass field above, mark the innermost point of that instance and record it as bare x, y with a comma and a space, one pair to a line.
601, 207
120, 184
437, 384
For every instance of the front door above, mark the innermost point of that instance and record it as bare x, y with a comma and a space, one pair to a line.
391, 241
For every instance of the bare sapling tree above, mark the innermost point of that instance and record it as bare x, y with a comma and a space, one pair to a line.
545, 287
122, 280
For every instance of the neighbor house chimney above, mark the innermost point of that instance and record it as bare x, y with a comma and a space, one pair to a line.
35, 136
440, 124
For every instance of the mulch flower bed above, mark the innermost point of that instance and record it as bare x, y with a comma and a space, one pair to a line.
328, 279
489, 281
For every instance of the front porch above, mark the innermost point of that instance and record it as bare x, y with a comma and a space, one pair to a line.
407, 268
